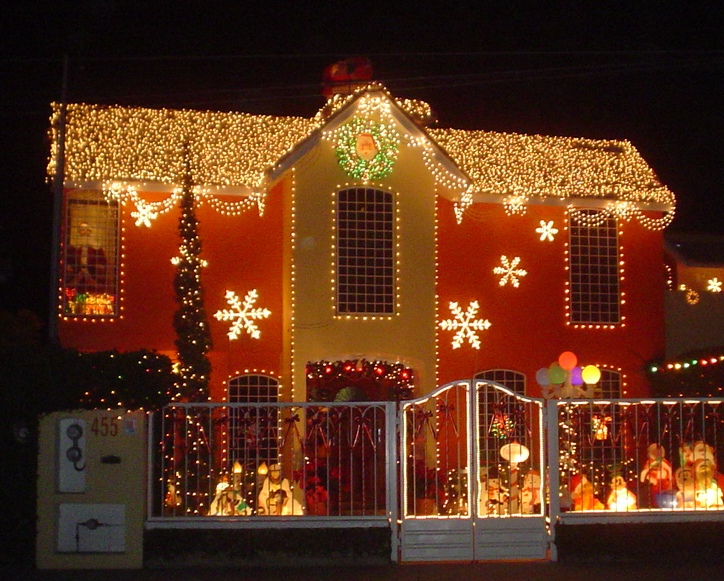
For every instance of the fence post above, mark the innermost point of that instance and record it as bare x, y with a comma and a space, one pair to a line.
554, 506
393, 417
151, 451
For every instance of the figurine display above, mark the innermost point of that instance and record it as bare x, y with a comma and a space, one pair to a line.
621, 499
657, 476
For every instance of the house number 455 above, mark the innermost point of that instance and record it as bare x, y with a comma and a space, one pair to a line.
105, 427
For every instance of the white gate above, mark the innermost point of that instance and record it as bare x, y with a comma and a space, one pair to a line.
472, 475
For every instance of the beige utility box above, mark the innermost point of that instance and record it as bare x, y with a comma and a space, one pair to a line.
91, 490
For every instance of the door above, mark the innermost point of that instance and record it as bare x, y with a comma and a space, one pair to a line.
472, 458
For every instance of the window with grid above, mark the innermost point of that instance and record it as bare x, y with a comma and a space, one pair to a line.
365, 240
609, 386
513, 380
594, 270
90, 255
253, 431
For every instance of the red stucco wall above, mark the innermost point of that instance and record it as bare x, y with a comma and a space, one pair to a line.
528, 324
244, 252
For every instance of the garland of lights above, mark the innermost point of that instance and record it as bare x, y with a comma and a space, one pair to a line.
700, 374
687, 364
385, 140
360, 380
147, 212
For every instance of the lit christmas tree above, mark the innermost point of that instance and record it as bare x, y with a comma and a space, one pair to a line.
193, 342
193, 339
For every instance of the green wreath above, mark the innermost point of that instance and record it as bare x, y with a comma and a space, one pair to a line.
385, 138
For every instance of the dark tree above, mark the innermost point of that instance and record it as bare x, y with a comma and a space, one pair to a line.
193, 338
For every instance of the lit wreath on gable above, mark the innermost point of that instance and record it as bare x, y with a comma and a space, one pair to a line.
366, 150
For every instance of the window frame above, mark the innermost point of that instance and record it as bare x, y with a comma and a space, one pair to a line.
594, 276
82, 220
365, 263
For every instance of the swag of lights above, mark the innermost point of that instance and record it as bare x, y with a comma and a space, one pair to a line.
146, 212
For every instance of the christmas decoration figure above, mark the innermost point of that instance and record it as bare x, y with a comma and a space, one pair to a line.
85, 263
493, 497
686, 454
275, 497
686, 487
530, 493
583, 495
657, 475
621, 498
223, 503
708, 494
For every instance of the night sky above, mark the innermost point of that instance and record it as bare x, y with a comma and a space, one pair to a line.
643, 71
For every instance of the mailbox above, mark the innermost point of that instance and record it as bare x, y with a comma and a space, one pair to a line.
92, 476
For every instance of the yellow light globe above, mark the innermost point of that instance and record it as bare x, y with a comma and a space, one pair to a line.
591, 374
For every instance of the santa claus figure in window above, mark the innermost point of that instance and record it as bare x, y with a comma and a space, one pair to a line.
85, 264
657, 476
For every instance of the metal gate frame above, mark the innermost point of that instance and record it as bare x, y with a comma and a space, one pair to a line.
470, 535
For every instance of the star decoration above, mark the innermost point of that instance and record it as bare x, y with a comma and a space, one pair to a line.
714, 285
242, 314
144, 214
510, 273
465, 324
547, 230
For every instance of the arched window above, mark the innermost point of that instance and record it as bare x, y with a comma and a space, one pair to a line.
610, 385
365, 252
513, 380
253, 389
253, 431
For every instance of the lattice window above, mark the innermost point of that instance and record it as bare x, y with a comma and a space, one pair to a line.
594, 269
90, 255
253, 431
365, 252
609, 386
253, 389
513, 380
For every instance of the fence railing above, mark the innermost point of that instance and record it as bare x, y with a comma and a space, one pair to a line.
605, 457
638, 455
272, 459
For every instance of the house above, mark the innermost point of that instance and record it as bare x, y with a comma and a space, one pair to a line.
363, 242
368, 254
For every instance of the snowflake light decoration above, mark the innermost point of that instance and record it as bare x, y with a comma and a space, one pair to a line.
144, 214
510, 273
242, 314
547, 230
515, 205
465, 325
714, 285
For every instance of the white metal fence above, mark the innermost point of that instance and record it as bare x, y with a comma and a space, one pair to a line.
637, 456
341, 462
272, 460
